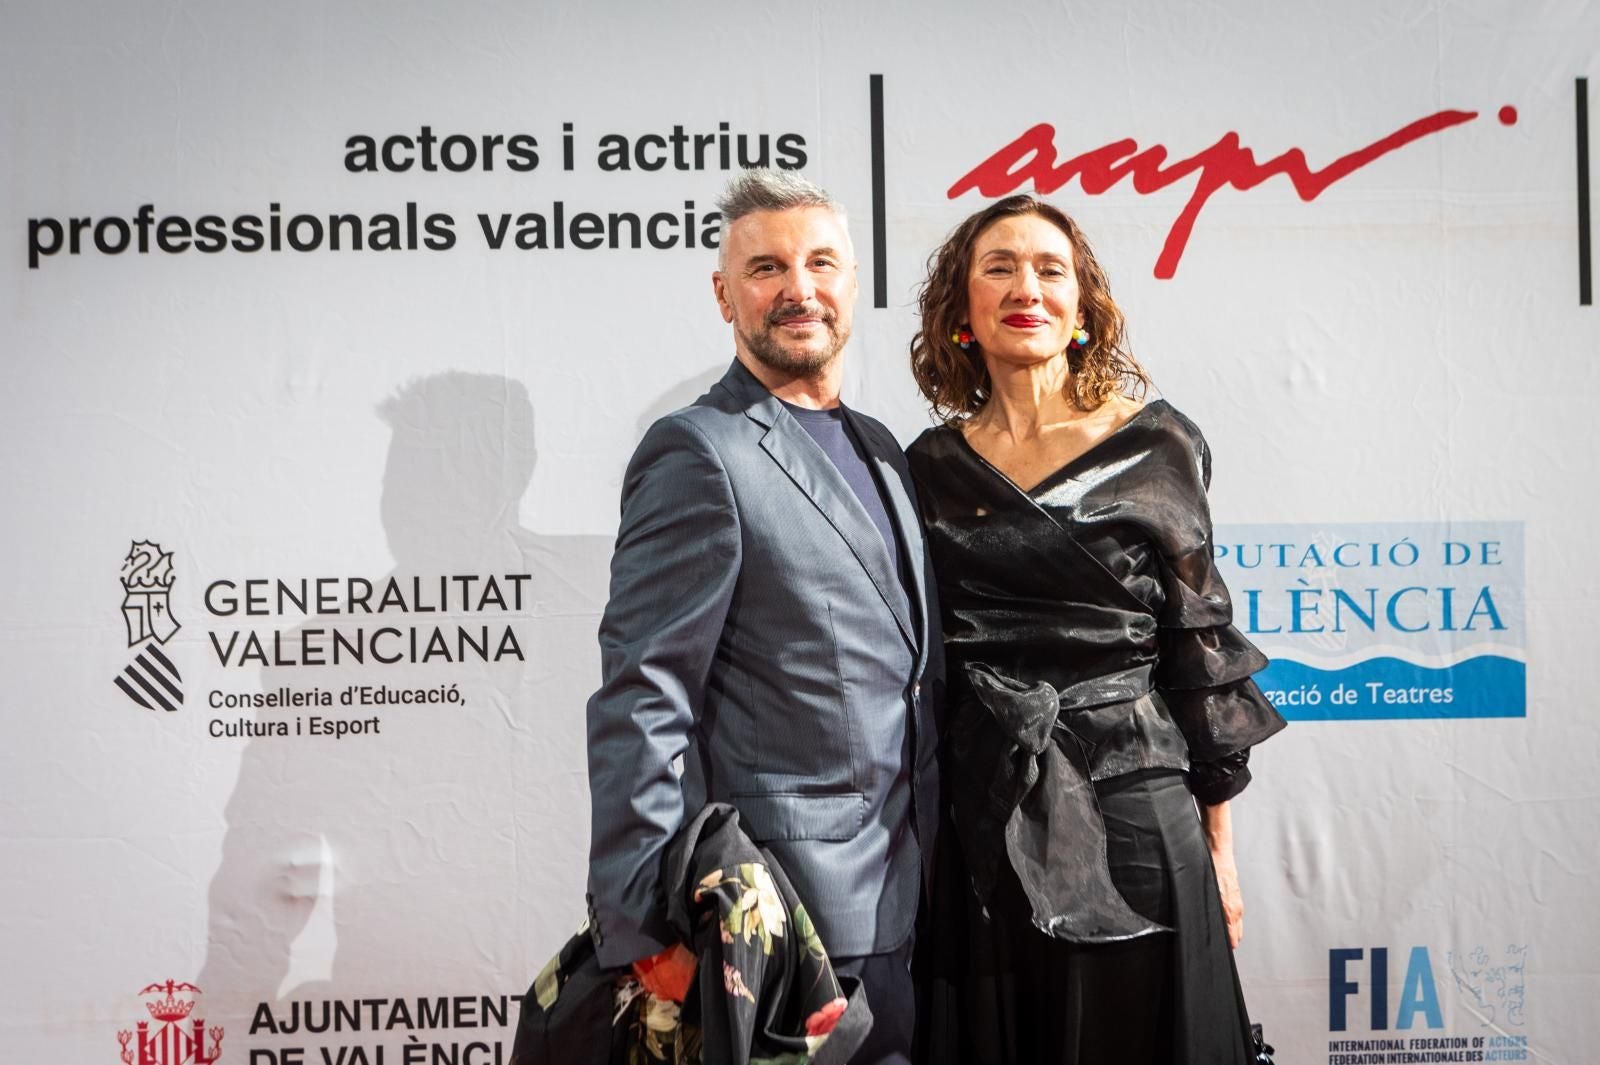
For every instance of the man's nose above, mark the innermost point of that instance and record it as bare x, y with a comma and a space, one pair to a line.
799, 287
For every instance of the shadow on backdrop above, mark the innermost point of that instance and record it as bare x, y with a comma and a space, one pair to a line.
447, 851
679, 396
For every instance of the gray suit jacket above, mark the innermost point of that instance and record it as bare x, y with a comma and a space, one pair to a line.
756, 630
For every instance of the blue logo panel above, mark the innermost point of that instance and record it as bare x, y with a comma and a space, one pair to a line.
1383, 621
1487, 686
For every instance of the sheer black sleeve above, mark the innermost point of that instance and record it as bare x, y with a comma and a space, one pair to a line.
1205, 667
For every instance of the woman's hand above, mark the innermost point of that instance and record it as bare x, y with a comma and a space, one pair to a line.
1218, 823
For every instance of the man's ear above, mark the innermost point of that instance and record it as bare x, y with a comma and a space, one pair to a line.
719, 288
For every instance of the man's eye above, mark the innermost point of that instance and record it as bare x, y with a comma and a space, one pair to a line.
822, 264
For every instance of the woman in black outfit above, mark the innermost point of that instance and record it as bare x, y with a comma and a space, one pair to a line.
1102, 710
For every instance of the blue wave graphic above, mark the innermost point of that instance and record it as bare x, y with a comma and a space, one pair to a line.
1393, 689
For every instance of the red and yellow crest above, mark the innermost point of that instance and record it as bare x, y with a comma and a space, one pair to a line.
170, 1036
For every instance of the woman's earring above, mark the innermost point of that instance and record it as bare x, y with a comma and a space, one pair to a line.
1080, 338
962, 336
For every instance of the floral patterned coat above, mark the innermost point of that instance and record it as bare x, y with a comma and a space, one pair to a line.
765, 992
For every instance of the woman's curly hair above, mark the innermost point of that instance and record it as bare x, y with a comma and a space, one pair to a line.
956, 381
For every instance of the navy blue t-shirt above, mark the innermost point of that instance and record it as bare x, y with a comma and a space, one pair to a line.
833, 434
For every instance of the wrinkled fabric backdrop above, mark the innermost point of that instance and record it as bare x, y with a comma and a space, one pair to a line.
311, 469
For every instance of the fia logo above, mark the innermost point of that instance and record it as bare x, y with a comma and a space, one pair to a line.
150, 680
169, 1037
1419, 996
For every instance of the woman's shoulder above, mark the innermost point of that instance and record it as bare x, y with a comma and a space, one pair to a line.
1159, 416
934, 441
1173, 419
938, 460
1177, 439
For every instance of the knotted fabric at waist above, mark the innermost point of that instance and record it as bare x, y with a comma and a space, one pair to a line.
1024, 758
1118, 720
1028, 711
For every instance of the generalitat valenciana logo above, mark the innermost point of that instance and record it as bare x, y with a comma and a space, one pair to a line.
150, 680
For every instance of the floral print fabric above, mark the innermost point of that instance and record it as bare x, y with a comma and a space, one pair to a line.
765, 992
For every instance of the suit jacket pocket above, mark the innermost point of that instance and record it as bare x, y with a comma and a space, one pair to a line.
793, 815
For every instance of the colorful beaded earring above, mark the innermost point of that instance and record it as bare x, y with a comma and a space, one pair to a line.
963, 337
1080, 337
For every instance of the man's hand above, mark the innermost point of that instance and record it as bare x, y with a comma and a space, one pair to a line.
669, 974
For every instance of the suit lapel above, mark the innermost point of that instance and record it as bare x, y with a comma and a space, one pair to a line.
792, 448
886, 465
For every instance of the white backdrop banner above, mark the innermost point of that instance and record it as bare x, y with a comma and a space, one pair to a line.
330, 330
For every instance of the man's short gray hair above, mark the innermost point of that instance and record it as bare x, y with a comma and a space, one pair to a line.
762, 189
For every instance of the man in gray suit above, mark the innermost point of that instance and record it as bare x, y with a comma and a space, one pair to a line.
772, 623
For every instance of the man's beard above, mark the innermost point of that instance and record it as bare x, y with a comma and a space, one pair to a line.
770, 352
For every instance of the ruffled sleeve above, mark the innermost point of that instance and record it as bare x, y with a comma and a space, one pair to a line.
1205, 665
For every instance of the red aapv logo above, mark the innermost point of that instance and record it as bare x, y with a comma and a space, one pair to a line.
1032, 156
170, 1037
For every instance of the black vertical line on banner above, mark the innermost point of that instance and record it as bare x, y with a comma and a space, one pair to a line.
880, 223
1585, 267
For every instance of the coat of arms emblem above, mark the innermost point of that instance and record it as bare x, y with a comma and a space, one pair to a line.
170, 1036
150, 680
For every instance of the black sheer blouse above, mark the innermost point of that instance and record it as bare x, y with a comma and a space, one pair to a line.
1086, 626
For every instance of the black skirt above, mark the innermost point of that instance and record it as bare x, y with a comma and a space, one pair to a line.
997, 990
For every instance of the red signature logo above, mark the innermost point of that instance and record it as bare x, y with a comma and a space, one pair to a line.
1032, 156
